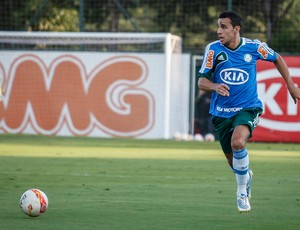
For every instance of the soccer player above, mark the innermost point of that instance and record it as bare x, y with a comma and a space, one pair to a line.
229, 72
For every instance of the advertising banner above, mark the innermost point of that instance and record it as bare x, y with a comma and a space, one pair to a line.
280, 121
90, 94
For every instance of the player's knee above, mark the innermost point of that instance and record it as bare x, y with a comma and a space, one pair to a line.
238, 144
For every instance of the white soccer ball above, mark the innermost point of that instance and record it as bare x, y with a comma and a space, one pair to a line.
177, 136
186, 137
34, 202
209, 137
198, 137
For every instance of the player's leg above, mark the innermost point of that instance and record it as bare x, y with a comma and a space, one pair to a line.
240, 163
244, 124
229, 159
223, 128
240, 159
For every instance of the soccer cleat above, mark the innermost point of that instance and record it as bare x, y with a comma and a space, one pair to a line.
243, 203
248, 186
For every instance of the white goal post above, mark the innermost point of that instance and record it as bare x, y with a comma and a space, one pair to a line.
79, 38
143, 80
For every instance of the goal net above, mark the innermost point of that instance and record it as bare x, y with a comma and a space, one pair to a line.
94, 84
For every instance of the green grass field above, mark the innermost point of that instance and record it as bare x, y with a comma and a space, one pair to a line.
144, 184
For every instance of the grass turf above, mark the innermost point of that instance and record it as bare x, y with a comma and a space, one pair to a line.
144, 184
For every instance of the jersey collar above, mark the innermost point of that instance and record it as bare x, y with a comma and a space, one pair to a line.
240, 44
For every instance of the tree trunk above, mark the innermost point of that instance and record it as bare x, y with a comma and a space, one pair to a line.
267, 9
113, 16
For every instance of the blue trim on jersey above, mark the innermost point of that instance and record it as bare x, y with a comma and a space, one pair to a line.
237, 69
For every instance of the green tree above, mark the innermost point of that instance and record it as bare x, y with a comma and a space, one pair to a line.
195, 21
15, 14
54, 15
286, 37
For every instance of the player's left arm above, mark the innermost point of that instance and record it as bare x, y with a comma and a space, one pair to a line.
284, 71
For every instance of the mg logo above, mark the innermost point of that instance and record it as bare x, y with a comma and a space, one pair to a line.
234, 76
64, 97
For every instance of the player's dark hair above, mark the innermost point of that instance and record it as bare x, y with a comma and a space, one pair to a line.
236, 19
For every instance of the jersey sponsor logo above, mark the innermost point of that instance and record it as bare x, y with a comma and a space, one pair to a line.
209, 60
234, 76
229, 110
263, 51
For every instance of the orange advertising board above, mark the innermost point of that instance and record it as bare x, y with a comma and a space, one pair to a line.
47, 97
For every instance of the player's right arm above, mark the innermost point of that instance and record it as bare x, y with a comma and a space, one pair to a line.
206, 72
209, 86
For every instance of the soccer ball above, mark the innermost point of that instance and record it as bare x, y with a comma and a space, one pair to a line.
198, 137
209, 137
34, 202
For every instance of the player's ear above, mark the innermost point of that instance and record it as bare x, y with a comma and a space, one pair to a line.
237, 29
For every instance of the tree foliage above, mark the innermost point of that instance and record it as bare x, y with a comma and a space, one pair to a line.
195, 21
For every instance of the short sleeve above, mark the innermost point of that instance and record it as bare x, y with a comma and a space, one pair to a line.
265, 52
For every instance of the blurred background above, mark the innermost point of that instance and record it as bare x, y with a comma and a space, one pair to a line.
273, 21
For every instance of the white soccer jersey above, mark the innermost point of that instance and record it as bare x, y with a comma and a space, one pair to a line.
237, 69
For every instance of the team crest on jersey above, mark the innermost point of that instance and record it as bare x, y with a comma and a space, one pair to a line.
234, 76
248, 57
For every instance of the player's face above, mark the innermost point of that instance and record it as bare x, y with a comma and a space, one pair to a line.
227, 33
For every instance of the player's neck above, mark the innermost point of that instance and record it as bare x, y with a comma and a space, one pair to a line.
234, 43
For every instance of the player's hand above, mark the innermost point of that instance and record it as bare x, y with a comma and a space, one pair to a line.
222, 89
295, 93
